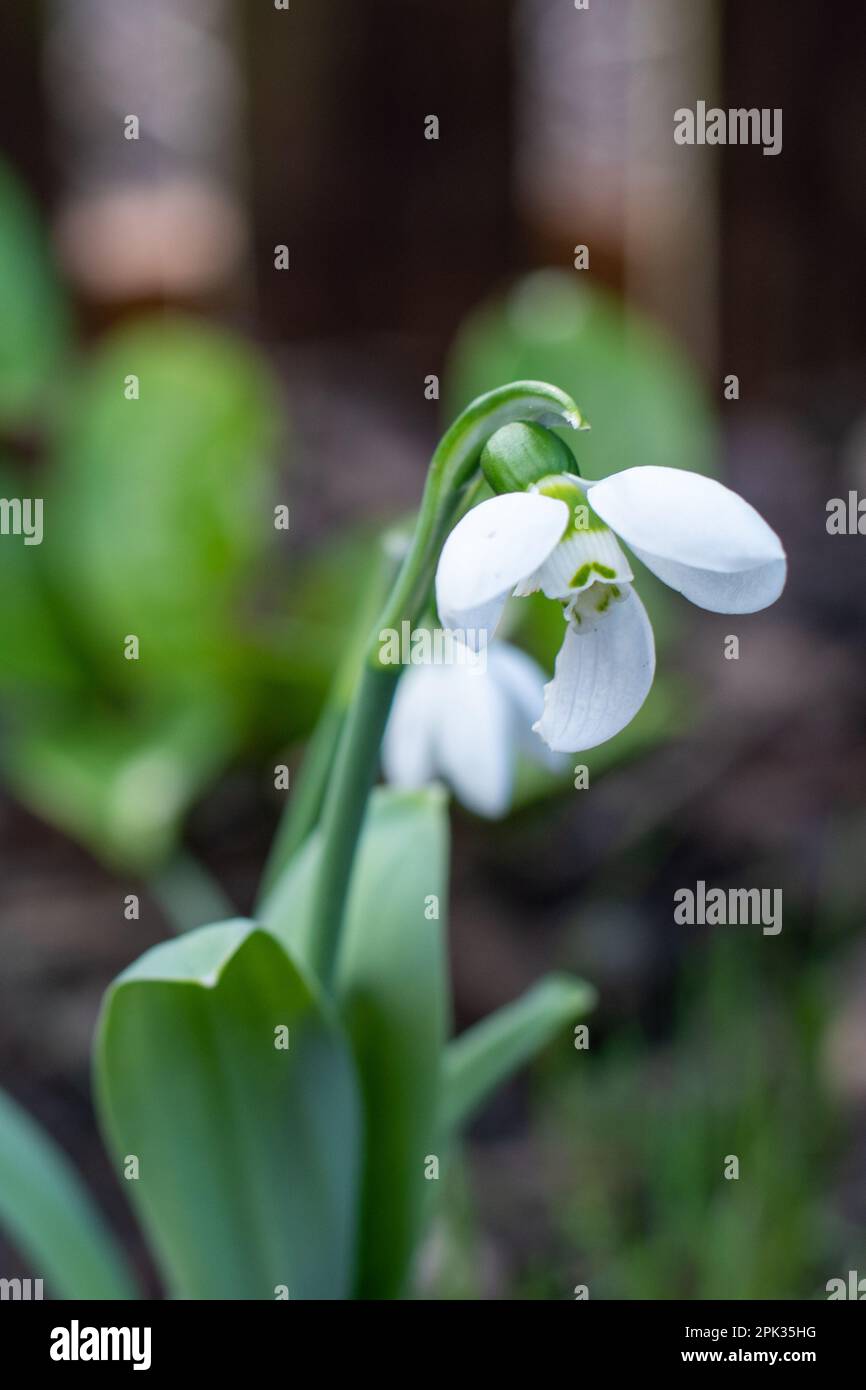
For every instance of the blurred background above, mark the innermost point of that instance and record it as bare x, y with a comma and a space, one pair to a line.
307, 288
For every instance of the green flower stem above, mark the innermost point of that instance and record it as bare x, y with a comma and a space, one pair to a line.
450, 476
343, 812
452, 468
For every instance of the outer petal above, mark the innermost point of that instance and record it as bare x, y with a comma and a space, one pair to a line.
408, 753
474, 741
696, 535
602, 678
490, 550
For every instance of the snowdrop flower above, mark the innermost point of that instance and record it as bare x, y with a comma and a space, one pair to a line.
465, 723
561, 536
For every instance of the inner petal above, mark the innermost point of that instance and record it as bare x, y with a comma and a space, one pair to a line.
583, 558
586, 610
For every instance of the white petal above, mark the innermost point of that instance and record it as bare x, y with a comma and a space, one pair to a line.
474, 742
519, 676
602, 678
523, 681
408, 744
696, 535
490, 550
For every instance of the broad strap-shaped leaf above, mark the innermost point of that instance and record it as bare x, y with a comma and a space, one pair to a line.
50, 1218
392, 990
247, 1151
393, 993
488, 1053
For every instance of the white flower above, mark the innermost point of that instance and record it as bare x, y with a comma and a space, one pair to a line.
696, 535
466, 723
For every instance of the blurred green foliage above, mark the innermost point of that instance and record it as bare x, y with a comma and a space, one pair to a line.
643, 399
119, 783
641, 1130
158, 523
646, 1207
161, 507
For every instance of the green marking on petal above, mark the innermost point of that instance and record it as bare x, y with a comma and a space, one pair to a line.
568, 489
588, 608
579, 578
606, 597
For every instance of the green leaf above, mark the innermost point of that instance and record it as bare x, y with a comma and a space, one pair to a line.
49, 1216
392, 992
121, 786
487, 1054
392, 988
248, 1153
34, 319
161, 513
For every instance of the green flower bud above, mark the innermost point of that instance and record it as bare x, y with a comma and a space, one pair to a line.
519, 455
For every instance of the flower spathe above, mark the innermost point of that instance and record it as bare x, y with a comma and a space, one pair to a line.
561, 537
465, 723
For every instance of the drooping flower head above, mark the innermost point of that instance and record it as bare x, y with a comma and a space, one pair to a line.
561, 534
466, 723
